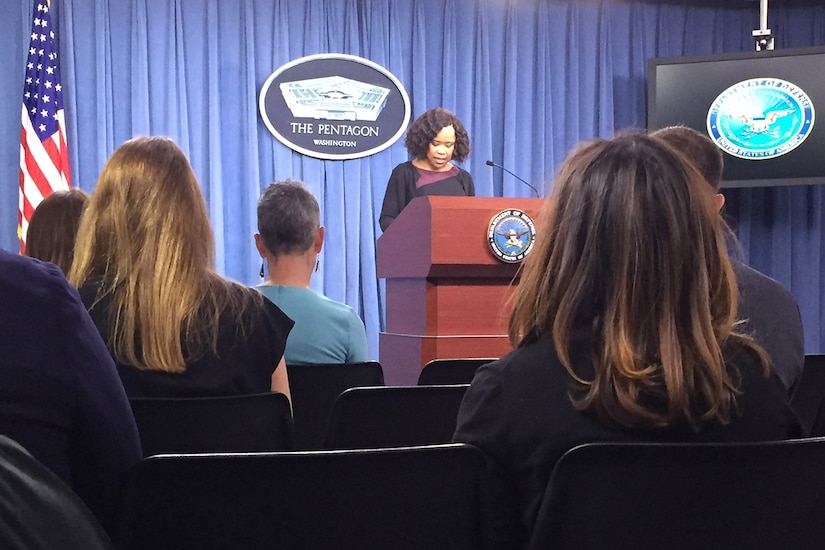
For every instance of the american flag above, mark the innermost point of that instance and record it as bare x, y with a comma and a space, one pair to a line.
44, 159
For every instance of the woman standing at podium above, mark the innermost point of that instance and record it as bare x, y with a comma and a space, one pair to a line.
433, 140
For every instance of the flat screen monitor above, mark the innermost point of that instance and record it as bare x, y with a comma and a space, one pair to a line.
765, 110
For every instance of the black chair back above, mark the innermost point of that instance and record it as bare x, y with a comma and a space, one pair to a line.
808, 399
747, 496
413, 498
394, 416
38, 510
238, 423
315, 388
450, 371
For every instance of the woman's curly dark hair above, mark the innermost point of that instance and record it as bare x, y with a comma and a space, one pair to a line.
427, 126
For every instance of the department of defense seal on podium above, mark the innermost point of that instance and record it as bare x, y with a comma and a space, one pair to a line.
511, 234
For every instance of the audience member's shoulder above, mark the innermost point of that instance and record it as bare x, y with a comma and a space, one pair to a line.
338, 307
256, 307
21, 276
273, 313
752, 281
521, 363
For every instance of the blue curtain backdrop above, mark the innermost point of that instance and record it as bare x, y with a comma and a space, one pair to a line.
529, 78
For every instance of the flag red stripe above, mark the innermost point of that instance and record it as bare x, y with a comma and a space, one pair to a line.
36, 174
28, 209
54, 154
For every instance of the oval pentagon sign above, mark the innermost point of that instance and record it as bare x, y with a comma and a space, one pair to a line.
334, 106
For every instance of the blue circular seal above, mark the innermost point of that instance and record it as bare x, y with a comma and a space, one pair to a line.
761, 118
511, 235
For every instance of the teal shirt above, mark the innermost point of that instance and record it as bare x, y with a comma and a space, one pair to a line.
325, 331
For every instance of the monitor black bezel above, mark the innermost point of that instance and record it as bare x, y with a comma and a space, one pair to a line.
654, 63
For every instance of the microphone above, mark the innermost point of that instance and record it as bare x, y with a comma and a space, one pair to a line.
522, 180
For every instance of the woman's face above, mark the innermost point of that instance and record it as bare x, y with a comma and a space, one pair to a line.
440, 150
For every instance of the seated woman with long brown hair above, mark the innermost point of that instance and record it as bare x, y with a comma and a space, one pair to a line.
624, 328
144, 264
53, 227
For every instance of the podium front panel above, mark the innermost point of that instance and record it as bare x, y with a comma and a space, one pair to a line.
448, 307
402, 356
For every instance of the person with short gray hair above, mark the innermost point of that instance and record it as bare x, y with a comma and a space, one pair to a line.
289, 239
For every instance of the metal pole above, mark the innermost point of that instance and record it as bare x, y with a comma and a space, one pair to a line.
763, 15
762, 35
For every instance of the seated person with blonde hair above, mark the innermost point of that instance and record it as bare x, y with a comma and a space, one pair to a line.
144, 264
289, 240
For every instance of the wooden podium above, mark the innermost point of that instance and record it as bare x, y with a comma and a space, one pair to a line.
447, 294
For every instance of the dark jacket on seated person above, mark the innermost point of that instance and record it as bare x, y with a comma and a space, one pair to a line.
772, 317
518, 412
60, 395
